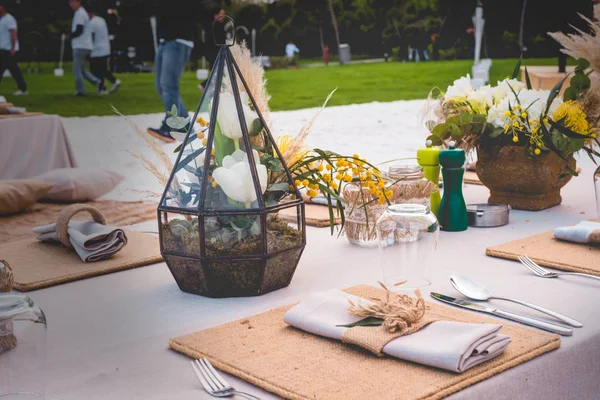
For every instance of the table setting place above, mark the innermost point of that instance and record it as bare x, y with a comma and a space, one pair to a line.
233, 225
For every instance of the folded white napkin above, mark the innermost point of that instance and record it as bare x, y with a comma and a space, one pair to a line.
92, 241
580, 233
453, 346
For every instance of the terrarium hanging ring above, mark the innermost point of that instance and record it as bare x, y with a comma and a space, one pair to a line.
226, 37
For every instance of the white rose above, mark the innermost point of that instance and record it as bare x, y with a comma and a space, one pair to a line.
503, 89
460, 89
481, 99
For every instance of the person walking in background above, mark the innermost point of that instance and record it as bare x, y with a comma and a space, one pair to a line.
9, 46
81, 42
290, 51
176, 33
100, 55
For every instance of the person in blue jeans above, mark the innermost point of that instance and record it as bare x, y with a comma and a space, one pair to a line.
176, 43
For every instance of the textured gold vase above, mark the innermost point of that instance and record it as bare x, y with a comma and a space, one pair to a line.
523, 183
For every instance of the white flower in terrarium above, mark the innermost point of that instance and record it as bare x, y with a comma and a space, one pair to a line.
227, 116
460, 89
235, 178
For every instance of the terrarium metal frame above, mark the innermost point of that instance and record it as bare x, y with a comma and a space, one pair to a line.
194, 272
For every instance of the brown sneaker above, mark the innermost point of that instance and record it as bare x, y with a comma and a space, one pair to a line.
157, 133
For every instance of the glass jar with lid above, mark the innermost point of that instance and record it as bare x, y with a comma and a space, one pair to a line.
22, 348
403, 184
407, 236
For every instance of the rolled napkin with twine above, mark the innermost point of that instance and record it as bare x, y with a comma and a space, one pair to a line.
583, 232
422, 337
92, 240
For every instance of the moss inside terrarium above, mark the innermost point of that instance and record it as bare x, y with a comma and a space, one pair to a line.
182, 235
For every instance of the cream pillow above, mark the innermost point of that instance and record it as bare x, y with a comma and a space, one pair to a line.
72, 185
19, 194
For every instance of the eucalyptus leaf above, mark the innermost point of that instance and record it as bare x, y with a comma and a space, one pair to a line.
176, 122
369, 321
435, 140
278, 187
173, 109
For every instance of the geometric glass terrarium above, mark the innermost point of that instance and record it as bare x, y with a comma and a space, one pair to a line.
220, 234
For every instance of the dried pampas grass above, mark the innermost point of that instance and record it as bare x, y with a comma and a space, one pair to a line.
583, 45
298, 144
161, 173
254, 75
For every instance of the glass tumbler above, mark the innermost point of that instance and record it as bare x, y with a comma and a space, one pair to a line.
407, 236
22, 348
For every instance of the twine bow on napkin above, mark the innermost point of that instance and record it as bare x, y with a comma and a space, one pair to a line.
92, 240
398, 312
385, 319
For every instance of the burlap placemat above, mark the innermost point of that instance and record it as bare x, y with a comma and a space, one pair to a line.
316, 215
37, 265
552, 253
294, 364
117, 213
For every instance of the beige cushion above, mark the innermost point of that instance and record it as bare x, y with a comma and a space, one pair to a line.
73, 185
19, 194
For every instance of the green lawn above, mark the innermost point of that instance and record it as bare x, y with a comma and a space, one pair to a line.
290, 89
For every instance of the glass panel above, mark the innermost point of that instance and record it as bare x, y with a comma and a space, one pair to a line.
229, 278
188, 273
233, 235
184, 188
282, 235
279, 188
231, 183
180, 233
279, 270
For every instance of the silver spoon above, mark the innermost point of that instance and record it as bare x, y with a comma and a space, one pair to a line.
476, 291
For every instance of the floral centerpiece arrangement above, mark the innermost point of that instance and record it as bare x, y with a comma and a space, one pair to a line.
525, 138
221, 234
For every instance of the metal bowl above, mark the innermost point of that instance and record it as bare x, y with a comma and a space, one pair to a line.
487, 215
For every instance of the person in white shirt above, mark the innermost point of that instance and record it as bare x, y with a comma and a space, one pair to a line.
100, 56
81, 42
290, 50
9, 46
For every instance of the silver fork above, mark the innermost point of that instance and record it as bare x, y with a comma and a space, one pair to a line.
544, 273
214, 383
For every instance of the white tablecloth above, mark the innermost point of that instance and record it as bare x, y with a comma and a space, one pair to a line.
108, 336
30, 146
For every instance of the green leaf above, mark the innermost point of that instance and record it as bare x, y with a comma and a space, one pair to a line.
435, 140
222, 144
566, 131
496, 133
465, 118
455, 131
178, 148
278, 187
527, 79
580, 82
369, 321
173, 110
583, 64
554, 92
189, 159
440, 130
570, 94
178, 122
517, 69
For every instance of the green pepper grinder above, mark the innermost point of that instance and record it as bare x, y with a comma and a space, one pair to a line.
453, 210
429, 159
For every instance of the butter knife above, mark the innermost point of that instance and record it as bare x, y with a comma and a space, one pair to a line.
561, 330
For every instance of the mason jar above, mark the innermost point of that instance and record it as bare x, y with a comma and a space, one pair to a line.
22, 348
407, 236
409, 185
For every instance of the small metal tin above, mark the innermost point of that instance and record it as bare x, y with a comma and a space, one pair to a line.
487, 215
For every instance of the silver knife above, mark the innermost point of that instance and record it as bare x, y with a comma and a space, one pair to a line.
561, 330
